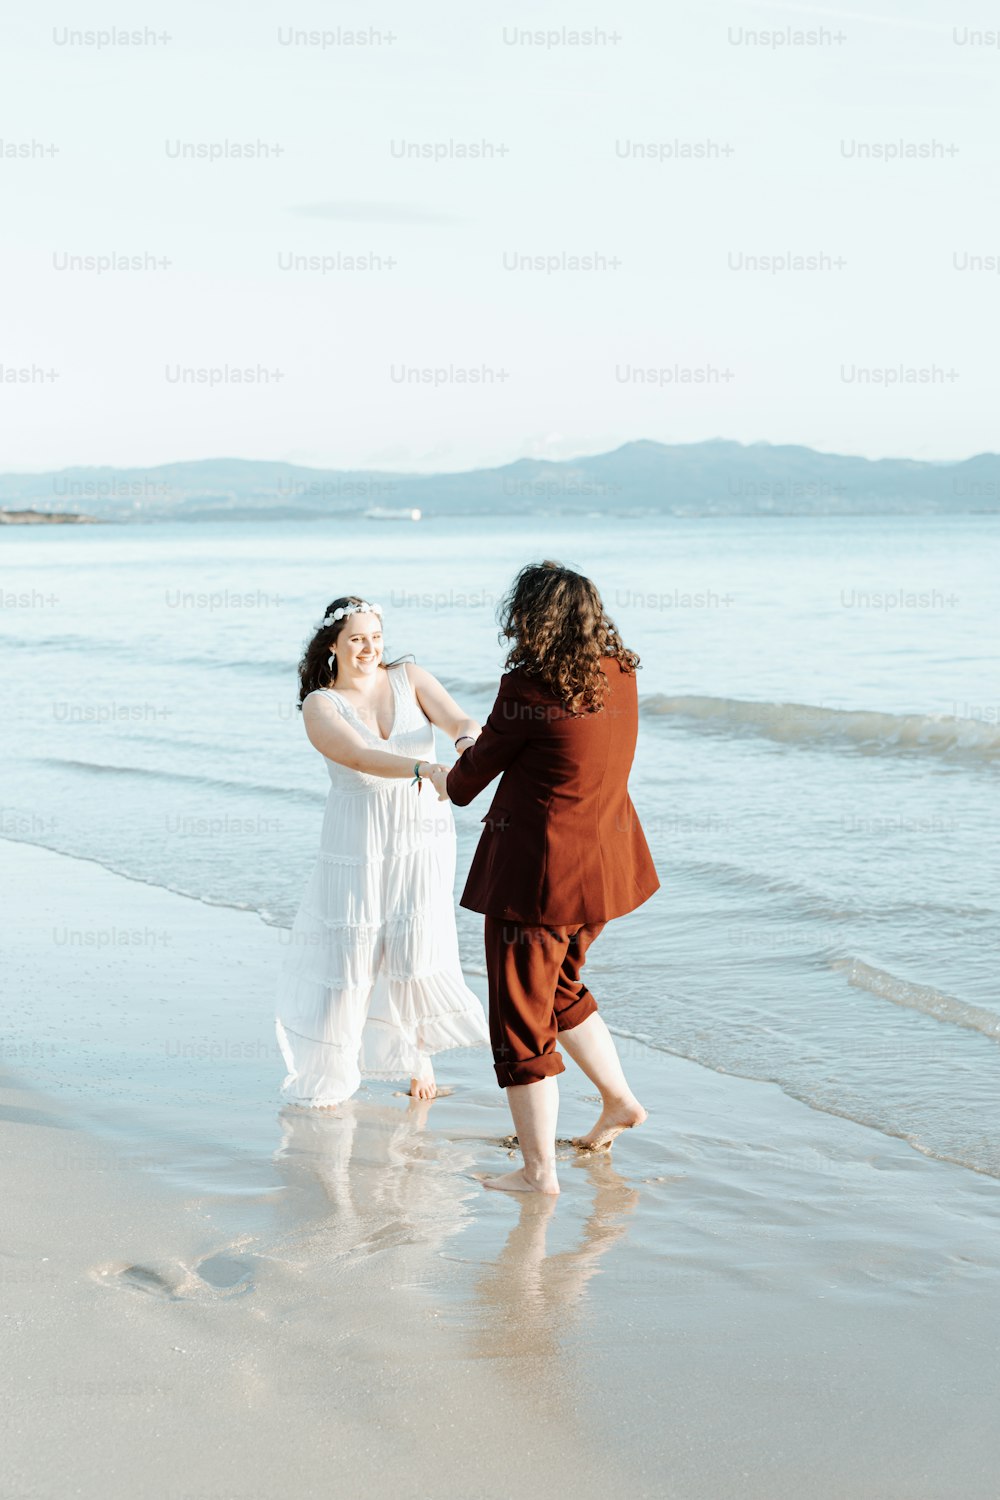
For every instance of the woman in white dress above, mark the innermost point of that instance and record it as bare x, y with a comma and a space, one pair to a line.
371, 985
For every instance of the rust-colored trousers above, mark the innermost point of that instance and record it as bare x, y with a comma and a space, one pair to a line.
535, 992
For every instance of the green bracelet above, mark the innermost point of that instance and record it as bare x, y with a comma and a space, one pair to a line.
418, 780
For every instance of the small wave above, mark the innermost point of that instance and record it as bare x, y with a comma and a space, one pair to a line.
99, 768
482, 687
835, 906
150, 880
866, 730
106, 646
743, 878
36, 643
823, 1106
255, 666
922, 997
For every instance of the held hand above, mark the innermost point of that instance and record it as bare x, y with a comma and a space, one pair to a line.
437, 776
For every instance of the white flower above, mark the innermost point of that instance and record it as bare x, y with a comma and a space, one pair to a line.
349, 609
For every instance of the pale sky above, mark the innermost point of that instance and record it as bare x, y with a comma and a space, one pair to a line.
740, 354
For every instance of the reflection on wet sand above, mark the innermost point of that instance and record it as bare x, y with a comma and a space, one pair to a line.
367, 1175
370, 1179
526, 1299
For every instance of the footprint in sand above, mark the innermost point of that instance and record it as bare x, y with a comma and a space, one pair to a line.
218, 1275
227, 1274
141, 1279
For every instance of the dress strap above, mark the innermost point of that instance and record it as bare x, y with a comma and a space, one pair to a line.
343, 706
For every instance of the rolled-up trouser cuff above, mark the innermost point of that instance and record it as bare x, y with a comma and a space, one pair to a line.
571, 1015
536, 992
529, 1069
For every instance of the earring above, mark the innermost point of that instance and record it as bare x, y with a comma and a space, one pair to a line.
331, 661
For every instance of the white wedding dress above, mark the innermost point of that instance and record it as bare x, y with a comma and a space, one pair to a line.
371, 983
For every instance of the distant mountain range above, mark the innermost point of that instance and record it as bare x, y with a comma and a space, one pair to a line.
690, 479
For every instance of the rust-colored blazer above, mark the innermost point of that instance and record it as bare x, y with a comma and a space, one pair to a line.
561, 842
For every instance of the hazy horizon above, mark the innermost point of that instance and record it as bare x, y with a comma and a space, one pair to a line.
416, 472
443, 243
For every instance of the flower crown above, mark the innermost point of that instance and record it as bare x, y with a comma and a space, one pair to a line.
349, 609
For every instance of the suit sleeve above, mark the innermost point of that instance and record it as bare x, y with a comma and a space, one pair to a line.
504, 736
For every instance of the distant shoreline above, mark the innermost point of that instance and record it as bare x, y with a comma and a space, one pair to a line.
46, 518
707, 479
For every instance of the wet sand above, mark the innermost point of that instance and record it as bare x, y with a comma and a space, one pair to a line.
208, 1293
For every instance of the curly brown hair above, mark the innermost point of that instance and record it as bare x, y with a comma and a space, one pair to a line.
560, 630
314, 671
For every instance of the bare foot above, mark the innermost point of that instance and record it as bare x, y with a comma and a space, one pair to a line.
423, 1088
614, 1118
518, 1182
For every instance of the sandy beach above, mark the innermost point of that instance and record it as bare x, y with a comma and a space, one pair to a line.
207, 1293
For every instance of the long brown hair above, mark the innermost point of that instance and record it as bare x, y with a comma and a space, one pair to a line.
560, 631
314, 671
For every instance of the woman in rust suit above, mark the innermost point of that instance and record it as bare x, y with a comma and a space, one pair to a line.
561, 853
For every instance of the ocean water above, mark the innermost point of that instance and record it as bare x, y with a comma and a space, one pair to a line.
817, 772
